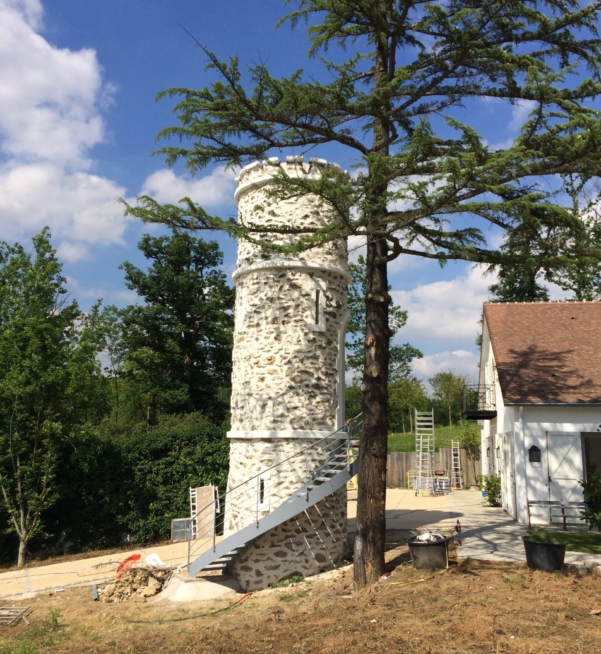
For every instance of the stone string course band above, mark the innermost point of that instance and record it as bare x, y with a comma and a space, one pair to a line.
288, 374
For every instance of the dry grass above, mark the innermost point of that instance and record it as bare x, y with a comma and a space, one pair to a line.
472, 607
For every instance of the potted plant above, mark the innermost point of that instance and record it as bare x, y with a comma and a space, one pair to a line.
544, 550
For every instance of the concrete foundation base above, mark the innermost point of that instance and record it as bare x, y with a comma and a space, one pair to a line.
182, 588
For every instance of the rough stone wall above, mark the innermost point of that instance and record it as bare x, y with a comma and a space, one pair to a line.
284, 372
290, 311
256, 208
312, 541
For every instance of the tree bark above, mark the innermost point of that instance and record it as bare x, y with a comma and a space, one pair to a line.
22, 557
371, 496
370, 536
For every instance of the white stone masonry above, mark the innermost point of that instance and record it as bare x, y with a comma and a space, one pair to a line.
288, 375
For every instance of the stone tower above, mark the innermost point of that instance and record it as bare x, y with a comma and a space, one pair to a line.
288, 378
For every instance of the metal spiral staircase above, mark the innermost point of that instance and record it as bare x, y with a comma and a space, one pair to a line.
245, 507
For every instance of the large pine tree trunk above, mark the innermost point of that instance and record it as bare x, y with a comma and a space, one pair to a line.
371, 496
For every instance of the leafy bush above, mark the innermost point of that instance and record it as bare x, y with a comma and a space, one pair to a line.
133, 485
492, 485
592, 496
163, 464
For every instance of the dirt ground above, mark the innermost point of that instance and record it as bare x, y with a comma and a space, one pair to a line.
473, 606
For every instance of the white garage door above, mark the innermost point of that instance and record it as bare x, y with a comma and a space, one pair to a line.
564, 457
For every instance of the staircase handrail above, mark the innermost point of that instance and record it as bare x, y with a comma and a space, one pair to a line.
220, 496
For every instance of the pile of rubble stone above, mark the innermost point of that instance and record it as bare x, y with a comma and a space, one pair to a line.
136, 584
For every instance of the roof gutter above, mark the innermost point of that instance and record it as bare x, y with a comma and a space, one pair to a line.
553, 403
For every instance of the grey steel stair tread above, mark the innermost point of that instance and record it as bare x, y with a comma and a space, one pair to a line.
303, 498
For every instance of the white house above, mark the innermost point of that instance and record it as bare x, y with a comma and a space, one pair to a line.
539, 400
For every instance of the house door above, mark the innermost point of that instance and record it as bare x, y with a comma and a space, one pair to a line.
564, 460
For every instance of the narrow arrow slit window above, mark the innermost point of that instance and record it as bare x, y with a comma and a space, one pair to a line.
317, 304
263, 491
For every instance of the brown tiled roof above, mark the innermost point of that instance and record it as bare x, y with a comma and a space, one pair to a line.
547, 351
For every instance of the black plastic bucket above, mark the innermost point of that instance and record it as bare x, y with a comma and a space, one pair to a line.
429, 556
544, 556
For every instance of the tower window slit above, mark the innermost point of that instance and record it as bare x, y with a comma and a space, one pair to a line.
261, 491
317, 307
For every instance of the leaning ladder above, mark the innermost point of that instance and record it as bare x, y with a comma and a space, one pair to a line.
424, 451
456, 476
193, 513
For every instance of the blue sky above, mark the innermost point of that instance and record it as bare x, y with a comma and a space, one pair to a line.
78, 119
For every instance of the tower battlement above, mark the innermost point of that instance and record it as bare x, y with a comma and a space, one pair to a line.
259, 172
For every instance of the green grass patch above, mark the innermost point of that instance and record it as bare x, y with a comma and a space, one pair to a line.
406, 442
37, 638
284, 583
587, 542
289, 597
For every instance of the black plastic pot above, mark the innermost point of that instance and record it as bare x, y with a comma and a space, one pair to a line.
544, 556
429, 556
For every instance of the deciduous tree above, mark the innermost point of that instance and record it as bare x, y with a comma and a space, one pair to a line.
50, 380
447, 387
177, 346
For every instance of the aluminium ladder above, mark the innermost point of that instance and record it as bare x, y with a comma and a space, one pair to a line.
424, 452
456, 476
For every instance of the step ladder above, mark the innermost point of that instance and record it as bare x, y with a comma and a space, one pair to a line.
456, 475
340, 466
193, 512
423, 482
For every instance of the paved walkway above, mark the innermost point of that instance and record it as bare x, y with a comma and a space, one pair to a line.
83, 572
487, 533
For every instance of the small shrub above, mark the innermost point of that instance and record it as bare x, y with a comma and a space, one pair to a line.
492, 485
592, 496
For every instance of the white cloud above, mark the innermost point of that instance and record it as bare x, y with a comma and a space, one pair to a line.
461, 362
214, 189
72, 252
519, 114
50, 102
444, 313
78, 206
120, 296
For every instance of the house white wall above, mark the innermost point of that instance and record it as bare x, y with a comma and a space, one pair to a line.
536, 422
507, 438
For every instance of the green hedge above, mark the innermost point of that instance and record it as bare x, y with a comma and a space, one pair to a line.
131, 488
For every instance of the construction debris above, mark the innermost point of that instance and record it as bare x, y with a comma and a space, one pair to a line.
429, 537
12, 614
136, 584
